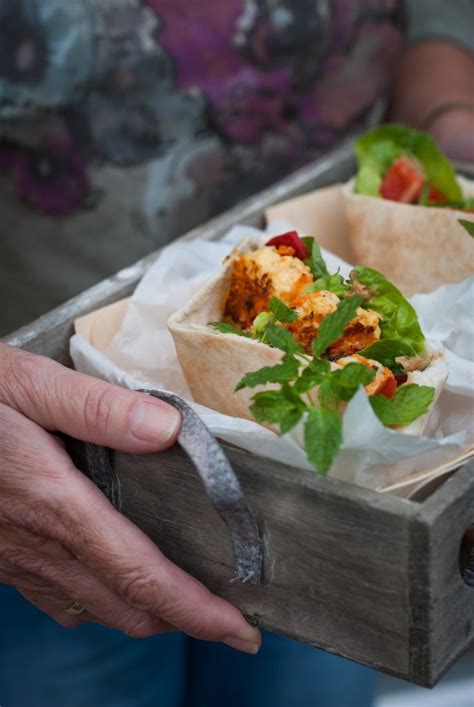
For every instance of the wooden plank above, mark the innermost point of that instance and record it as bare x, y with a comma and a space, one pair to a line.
442, 605
336, 559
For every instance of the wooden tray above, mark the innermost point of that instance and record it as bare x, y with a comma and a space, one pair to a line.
371, 577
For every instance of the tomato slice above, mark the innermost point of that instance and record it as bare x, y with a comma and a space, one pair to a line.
389, 388
435, 196
403, 182
292, 240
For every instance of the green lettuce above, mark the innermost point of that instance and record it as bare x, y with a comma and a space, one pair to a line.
379, 148
399, 319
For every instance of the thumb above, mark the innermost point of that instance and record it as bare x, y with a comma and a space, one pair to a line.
61, 400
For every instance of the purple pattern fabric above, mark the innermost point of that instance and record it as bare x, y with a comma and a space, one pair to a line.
220, 99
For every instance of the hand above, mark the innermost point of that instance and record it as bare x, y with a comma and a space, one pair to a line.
61, 541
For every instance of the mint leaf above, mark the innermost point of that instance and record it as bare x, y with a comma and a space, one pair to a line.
332, 327
387, 350
384, 409
312, 375
315, 262
280, 338
410, 402
399, 319
281, 312
225, 328
280, 373
331, 283
322, 437
467, 225
347, 381
278, 407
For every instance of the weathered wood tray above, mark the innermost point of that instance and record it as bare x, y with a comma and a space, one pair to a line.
375, 578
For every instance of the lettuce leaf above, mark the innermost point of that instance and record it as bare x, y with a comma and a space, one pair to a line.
377, 150
399, 319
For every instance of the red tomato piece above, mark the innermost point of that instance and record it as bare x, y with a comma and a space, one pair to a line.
435, 196
389, 388
403, 182
292, 240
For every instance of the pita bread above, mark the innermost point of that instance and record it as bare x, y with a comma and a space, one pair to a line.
213, 363
418, 248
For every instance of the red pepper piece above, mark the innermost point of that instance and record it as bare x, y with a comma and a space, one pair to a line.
389, 388
292, 240
403, 182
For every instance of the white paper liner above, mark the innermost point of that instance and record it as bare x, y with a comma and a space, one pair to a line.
142, 355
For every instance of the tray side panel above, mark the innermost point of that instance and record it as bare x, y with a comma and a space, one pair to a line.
443, 605
336, 570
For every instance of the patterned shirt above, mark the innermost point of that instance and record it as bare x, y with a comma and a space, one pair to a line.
123, 123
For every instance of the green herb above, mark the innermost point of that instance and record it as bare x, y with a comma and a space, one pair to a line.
386, 351
322, 437
332, 283
260, 323
379, 148
467, 225
399, 319
332, 327
315, 262
347, 381
225, 328
278, 407
287, 370
281, 312
408, 404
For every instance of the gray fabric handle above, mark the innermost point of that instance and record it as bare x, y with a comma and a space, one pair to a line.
219, 480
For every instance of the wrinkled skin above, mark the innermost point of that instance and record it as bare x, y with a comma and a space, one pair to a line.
61, 540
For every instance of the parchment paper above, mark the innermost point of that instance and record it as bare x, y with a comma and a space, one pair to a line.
141, 354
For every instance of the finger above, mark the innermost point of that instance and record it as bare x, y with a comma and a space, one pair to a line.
84, 407
46, 571
129, 562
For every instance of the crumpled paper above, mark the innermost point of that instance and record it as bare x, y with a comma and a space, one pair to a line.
142, 355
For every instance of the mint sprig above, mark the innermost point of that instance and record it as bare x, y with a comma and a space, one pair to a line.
410, 402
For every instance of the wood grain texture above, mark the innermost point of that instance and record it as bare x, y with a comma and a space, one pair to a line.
442, 605
336, 571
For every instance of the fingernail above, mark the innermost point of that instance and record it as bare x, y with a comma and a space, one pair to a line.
243, 646
154, 422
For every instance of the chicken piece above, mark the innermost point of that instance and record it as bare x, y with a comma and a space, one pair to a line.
359, 333
311, 309
383, 375
314, 306
259, 275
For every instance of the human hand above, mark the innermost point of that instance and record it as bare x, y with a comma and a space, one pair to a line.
61, 541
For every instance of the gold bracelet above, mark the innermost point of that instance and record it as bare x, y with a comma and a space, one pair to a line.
445, 108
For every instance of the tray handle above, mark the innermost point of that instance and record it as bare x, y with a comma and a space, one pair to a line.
216, 473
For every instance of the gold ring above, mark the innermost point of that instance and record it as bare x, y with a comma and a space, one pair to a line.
75, 609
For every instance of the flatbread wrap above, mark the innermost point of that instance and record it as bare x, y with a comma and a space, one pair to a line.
406, 208
275, 337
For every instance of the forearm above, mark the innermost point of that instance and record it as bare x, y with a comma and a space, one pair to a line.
432, 74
